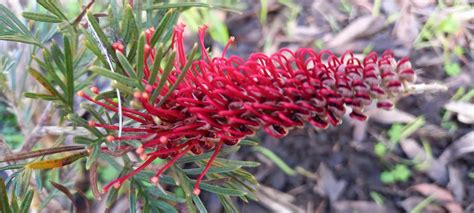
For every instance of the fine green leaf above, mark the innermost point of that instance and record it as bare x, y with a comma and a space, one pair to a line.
12, 29
277, 160
100, 33
156, 65
158, 193
25, 204
238, 162
93, 156
47, 65
129, 25
126, 65
45, 97
200, 206
83, 140
115, 76
163, 206
69, 74
41, 17
107, 94
181, 5
12, 22
212, 170
52, 6
194, 158
45, 83
13, 166
140, 56
163, 78
220, 190
14, 203
164, 24
4, 206
132, 199
81, 122
227, 203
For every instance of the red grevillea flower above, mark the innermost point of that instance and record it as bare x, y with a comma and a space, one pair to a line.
224, 99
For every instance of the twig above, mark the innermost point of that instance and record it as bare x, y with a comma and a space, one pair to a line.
421, 88
26, 155
93, 181
83, 12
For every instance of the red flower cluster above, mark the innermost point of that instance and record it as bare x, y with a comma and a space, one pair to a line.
224, 99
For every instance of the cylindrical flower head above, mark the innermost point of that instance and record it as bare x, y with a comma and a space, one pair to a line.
224, 99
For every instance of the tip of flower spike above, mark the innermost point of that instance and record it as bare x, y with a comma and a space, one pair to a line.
140, 150
105, 189
117, 46
80, 93
155, 180
117, 185
387, 105
143, 157
110, 138
163, 139
147, 49
145, 95
95, 90
91, 123
197, 191
137, 94
148, 88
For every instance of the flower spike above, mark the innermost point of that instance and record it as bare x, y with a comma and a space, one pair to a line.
225, 99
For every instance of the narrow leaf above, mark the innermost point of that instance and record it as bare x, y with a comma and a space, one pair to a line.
69, 74
65, 191
52, 7
212, 170
156, 65
45, 83
164, 24
200, 206
126, 65
45, 97
41, 17
115, 76
220, 190
25, 204
4, 206
140, 56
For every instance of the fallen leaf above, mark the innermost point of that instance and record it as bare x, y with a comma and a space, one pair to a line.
456, 184
412, 202
358, 206
356, 28
458, 148
435, 169
328, 185
276, 201
441, 195
390, 117
464, 110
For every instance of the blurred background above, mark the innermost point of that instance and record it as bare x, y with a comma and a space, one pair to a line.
417, 157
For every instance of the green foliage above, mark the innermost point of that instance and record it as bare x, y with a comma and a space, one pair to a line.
12, 29
275, 159
401, 173
380, 149
398, 132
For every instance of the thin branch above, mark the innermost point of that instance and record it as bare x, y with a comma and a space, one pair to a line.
42, 152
